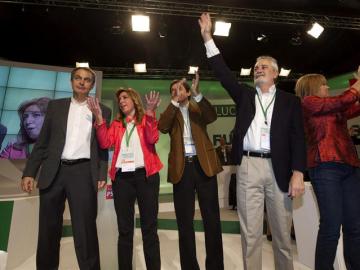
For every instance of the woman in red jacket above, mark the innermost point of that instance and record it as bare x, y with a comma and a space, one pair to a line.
333, 167
134, 171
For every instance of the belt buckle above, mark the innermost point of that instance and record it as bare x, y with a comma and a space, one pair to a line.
189, 158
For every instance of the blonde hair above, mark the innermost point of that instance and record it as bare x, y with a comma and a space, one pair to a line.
309, 85
139, 108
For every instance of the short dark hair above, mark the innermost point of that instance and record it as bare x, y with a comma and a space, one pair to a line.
93, 74
185, 84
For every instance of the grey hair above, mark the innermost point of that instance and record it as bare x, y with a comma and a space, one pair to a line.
273, 61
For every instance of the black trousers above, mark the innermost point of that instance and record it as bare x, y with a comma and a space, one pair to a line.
74, 183
128, 187
195, 180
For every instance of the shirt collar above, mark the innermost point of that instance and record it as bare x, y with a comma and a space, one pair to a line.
272, 90
185, 107
75, 102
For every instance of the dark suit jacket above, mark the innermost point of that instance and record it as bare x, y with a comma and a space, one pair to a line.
50, 144
3, 131
171, 121
287, 139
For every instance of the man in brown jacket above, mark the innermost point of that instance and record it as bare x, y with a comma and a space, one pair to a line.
192, 168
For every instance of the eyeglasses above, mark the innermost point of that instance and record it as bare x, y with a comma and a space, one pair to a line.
78, 78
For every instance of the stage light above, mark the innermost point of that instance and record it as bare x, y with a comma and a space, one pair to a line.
163, 30
222, 28
82, 64
193, 69
245, 71
140, 23
296, 40
284, 72
316, 30
262, 38
140, 68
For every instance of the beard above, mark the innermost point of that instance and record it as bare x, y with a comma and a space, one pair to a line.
260, 81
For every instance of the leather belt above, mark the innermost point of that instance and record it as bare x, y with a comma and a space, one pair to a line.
256, 154
190, 158
73, 161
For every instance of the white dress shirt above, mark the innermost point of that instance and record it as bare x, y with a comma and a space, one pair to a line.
252, 139
78, 131
134, 146
253, 135
189, 144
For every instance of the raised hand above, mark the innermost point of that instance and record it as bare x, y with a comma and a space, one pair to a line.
94, 107
205, 26
195, 84
152, 101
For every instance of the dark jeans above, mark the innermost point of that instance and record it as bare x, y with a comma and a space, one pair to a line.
337, 189
194, 179
127, 187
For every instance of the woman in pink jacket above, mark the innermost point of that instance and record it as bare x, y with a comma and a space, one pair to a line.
134, 171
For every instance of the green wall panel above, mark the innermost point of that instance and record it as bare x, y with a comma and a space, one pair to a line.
6, 209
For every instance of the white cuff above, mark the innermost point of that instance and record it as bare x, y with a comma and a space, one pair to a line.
198, 98
211, 49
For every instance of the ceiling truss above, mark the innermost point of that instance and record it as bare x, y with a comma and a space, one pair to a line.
173, 8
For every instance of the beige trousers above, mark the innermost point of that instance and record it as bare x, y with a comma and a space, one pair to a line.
255, 184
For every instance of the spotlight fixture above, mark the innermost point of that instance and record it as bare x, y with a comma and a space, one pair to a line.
118, 28
296, 40
284, 72
245, 71
316, 30
193, 69
262, 38
82, 64
222, 28
140, 68
140, 23
163, 30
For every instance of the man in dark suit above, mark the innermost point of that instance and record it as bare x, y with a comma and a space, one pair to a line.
192, 167
73, 167
269, 150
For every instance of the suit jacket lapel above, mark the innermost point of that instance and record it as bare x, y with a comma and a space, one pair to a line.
92, 130
276, 115
64, 113
180, 118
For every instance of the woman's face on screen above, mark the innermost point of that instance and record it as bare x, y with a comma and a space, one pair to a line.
33, 120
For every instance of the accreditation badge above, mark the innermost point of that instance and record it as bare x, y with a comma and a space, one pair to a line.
127, 160
189, 149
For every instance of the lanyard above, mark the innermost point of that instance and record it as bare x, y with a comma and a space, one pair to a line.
262, 108
127, 134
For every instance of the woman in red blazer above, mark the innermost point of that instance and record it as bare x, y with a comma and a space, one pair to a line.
134, 171
333, 167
